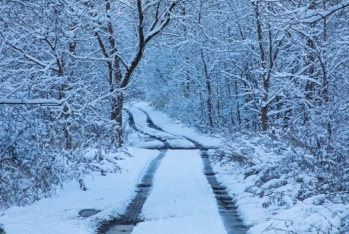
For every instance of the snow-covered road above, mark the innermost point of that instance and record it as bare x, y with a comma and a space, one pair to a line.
169, 173
185, 196
181, 200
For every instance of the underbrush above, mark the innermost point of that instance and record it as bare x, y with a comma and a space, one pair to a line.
290, 181
34, 160
25, 180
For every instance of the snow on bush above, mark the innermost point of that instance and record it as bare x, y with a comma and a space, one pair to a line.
297, 191
33, 161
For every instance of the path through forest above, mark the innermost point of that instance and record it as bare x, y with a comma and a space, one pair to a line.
179, 192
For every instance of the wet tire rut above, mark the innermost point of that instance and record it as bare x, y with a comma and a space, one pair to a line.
226, 204
130, 218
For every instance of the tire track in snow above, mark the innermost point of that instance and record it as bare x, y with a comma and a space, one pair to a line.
130, 218
226, 204
125, 223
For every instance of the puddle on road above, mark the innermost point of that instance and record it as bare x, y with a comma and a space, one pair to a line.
121, 229
88, 212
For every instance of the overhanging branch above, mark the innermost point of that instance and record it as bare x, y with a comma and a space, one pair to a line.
40, 101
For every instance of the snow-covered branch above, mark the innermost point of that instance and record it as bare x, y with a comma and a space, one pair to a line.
39, 101
158, 25
312, 16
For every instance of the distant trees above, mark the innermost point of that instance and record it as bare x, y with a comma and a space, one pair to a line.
254, 65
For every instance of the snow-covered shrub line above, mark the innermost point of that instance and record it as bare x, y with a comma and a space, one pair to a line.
296, 190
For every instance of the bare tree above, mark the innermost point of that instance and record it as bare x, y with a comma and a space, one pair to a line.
152, 18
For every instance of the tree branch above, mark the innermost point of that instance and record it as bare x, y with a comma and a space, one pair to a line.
33, 59
40, 101
158, 26
315, 15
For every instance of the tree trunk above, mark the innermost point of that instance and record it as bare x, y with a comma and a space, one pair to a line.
310, 86
117, 79
116, 114
237, 103
264, 119
187, 59
209, 91
67, 124
264, 106
66, 111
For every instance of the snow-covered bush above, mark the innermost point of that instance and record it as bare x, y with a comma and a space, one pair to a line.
285, 174
33, 160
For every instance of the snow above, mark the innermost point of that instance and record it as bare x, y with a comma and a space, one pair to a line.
59, 214
180, 143
284, 211
278, 210
50, 101
168, 125
171, 138
150, 144
182, 201
182, 225
175, 204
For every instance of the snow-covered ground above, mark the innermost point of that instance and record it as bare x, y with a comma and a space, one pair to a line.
278, 210
272, 205
181, 200
175, 205
59, 214
175, 127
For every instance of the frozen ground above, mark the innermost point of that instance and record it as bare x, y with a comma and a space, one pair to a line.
181, 200
274, 206
175, 127
59, 214
175, 205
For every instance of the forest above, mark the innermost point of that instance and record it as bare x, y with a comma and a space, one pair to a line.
230, 68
